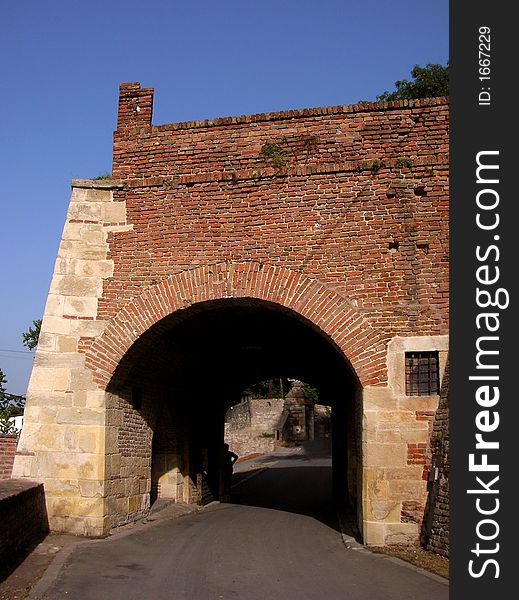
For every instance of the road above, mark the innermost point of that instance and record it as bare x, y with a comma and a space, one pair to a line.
277, 539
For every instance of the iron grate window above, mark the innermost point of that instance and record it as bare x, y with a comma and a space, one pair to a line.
421, 374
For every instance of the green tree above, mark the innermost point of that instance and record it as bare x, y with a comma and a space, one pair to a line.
428, 82
31, 336
10, 406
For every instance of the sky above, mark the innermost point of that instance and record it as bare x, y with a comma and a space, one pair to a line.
62, 62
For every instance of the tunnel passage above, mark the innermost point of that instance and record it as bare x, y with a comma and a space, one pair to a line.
169, 395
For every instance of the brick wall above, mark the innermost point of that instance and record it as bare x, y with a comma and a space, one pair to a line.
336, 217
7, 451
23, 517
435, 529
360, 204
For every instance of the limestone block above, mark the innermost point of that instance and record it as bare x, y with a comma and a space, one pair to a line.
112, 440
417, 403
113, 465
135, 503
88, 268
145, 486
384, 510
401, 533
77, 506
45, 437
91, 440
95, 398
79, 398
50, 379
60, 487
399, 435
56, 325
411, 472
118, 228
66, 343
114, 212
47, 342
384, 455
80, 306
70, 465
78, 194
71, 233
33, 408
81, 526
93, 235
74, 285
131, 486
407, 489
87, 328
54, 305
24, 465
72, 248
374, 484
378, 398
81, 379
373, 532
84, 211
99, 195
91, 488
114, 417
391, 418
59, 360
48, 414
80, 416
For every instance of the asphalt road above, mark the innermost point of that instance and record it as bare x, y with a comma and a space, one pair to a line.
277, 539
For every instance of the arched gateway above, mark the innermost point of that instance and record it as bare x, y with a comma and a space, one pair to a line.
222, 252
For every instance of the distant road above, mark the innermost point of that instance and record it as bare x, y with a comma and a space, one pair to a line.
277, 540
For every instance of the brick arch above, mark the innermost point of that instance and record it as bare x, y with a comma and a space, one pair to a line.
325, 308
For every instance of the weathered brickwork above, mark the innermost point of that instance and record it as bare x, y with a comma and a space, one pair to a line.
436, 525
7, 451
23, 516
337, 217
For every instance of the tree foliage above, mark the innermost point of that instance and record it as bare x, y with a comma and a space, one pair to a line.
276, 388
31, 336
428, 82
10, 406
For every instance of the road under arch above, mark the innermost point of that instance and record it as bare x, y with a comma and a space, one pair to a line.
170, 392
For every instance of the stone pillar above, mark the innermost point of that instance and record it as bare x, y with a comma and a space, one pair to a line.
394, 427
64, 441
299, 406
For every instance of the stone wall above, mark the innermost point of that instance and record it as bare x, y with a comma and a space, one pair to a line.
238, 416
251, 426
7, 451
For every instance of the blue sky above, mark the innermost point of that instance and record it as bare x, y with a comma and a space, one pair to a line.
62, 62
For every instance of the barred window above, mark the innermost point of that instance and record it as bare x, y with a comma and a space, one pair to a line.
421, 373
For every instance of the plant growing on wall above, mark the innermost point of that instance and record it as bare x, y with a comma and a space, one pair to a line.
275, 153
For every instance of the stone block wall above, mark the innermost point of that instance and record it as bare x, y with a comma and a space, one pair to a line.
248, 424
7, 452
